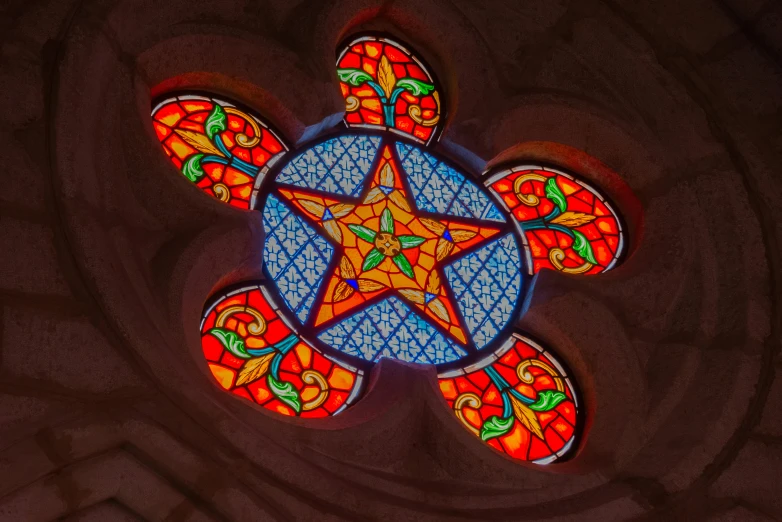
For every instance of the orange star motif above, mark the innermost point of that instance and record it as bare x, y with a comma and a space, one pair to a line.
384, 245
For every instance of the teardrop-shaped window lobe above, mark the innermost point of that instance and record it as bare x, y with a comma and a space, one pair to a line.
225, 150
567, 224
253, 352
386, 86
519, 400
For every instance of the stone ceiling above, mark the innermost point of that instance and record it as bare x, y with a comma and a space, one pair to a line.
107, 256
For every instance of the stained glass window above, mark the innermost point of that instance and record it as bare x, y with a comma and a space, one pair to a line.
519, 400
254, 353
375, 245
407, 258
224, 150
385, 86
567, 224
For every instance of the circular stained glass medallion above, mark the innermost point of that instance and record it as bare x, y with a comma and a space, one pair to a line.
379, 248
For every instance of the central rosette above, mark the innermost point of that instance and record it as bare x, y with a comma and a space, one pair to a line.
387, 244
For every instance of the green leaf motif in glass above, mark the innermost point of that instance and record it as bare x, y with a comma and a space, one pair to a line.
403, 264
495, 427
363, 232
216, 122
192, 168
415, 87
583, 247
548, 400
231, 341
286, 392
554, 193
410, 241
387, 221
374, 258
354, 77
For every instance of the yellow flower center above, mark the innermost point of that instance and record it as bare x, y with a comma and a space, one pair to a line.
387, 244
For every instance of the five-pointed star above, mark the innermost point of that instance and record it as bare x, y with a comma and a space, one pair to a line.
384, 245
